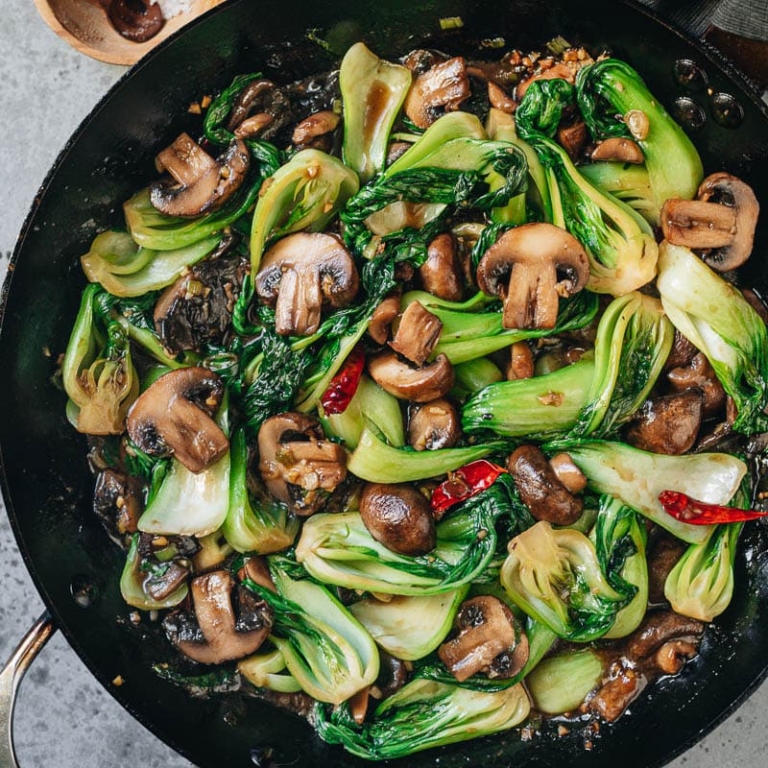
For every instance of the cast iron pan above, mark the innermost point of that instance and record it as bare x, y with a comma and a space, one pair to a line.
47, 485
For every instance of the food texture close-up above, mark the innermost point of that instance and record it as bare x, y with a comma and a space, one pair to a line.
389, 385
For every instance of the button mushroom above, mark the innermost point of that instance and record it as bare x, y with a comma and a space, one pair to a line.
408, 383
668, 424
300, 274
487, 630
399, 517
441, 272
618, 149
444, 85
299, 467
202, 183
228, 623
540, 488
531, 267
699, 374
433, 425
260, 110
383, 317
117, 500
174, 416
721, 222
417, 333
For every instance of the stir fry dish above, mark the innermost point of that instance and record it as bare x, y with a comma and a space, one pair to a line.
421, 394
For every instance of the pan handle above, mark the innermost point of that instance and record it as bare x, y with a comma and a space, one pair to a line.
10, 677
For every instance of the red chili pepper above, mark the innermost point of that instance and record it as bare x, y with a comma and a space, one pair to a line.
684, 508
344, 384
465, 482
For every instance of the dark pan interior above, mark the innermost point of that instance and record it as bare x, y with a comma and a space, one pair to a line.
47, 485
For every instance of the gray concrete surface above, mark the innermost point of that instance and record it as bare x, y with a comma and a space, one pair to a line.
64, 718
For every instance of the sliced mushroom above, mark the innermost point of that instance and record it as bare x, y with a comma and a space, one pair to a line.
408, 383
118, 501
721, 221
300, 274
619, 150
383, 317
531, 267
202, 183
299, 466
521, 363
443, 86
433, 425
612, 699
568, 473
399, 517
659, 628
228, 623
573, 138
174, 416
682, 352
136, 20
668, 424
163, 584
417, 333
197, 308
540, 489
487, 629
260, 109
700, 375
499, 99
441, 273
664, 550
314, 126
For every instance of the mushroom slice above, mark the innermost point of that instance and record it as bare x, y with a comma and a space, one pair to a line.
441, 273
408, 383
668, 424
299, 467
399, 517
721, 221
444, 85
540, 488
174, 416
618, 149
229, 622
202, 183
383, 317
300, 274
433, 425
417, 334
260, 109
486, 629
531, 267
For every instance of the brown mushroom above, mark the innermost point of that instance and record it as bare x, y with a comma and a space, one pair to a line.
487, 629
568, 473
417, 333
521, 363
721, 221
302, 273
558, 71
174, 416
260, 109
572, 137
618, 149
228, 623
408, 383
314, 126
441, 273
298, 465
531, 267
383, 317
668, 424
499, 99
699, 374
659, 628
540, 489
433, 425
117, 500
612, 699
664, 551
682, 352
399, 517
444, 85
202, 184
136, 20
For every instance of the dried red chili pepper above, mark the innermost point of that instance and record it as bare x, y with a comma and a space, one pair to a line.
344, 384
689, 510
463, 483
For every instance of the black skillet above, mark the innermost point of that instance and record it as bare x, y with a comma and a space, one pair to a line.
46, 483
